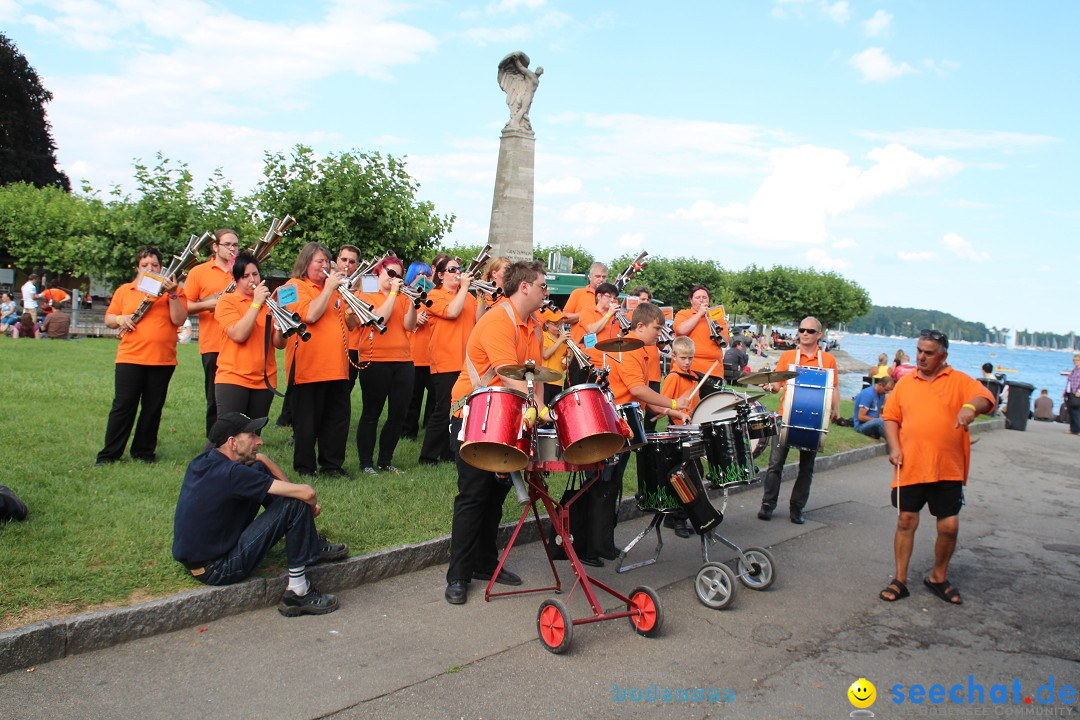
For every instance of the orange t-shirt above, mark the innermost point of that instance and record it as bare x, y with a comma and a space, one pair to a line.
323, 357
154, 340
609, 331
934, 448
204, 280
628, 374
652, 362
675, 386
50, 297
243, 363
580, 299
450, 336
393, 345
705, 350
791, 359
555, 362
419, 339
500, 338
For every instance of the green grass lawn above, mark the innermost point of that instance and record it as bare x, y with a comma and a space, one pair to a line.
103, 536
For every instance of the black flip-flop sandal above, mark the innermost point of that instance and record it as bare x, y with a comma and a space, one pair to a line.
897, 589
945, 591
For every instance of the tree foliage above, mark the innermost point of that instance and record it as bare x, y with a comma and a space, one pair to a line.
27, 151
583, 259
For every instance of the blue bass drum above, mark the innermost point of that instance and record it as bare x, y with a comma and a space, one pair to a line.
807, 403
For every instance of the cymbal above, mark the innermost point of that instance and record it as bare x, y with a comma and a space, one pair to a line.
619, 344
760, 378
518, 372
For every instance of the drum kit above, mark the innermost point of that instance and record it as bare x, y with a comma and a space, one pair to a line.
588, 430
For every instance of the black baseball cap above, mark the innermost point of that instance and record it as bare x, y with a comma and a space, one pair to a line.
234, 423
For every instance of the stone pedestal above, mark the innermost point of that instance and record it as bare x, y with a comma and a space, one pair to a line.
511, 229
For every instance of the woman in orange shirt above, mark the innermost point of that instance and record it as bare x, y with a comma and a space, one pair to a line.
386, 369
145, 361
693, 323
456, 312
246, 366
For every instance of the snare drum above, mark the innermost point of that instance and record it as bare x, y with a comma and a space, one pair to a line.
807, 404
587, 425
761, 424
631, 414
548, 449
491, 436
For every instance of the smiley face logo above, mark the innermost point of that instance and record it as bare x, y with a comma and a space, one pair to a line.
862, 693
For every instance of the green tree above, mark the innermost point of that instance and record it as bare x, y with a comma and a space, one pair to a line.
41, 228
27, 151
357, 198
583, 259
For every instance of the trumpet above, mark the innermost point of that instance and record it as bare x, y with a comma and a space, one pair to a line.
367, 269
179, 265
287, 322
266, 243
584, 361
665, 339
487, 288
715, 333
633, 269
624, 322
364, 312
419, 297
550, 306
477, 264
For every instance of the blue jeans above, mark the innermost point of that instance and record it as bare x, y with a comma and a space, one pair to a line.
874, 428
282, 516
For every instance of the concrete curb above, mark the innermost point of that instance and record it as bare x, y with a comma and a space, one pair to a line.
50, 640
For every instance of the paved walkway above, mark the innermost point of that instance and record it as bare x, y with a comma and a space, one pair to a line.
397, 650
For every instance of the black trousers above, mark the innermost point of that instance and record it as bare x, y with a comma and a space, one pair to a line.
380, 381
237, 398
209, 366
650, 420
321, 414
436, 445
602, 502
421, 382
354, 361
147, 385
478, 506
800, 492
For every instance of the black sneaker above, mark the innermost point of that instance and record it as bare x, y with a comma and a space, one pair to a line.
328, 551
314, 603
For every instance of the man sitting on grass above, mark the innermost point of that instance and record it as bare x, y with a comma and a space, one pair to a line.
868, 405
218, 533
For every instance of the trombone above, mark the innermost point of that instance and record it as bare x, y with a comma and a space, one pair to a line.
365, 313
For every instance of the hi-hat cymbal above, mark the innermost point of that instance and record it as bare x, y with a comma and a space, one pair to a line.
768, 376
619, 344
518, 372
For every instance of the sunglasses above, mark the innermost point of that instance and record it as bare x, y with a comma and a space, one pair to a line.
453, 270
542, 286
937, 336
809, 331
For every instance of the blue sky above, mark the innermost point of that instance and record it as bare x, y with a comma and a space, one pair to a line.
927, 150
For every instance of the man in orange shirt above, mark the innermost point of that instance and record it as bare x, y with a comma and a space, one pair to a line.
581, 299
53, 297
348, 260
506, 335
805, 354
926, 425
629, 381
204, 285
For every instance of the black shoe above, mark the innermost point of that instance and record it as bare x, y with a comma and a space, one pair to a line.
681, 530
314, 603
457, 592
505, 577
427, 461
103, 462
797, 517
148, 459
764, 513
338, 473
592, 561
328, 551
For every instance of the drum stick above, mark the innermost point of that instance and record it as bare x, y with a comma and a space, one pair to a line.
704, 378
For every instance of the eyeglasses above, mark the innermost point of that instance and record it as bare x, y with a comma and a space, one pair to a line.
809, 331
348, 261
937, 336
453, 269
229, 245
542, 286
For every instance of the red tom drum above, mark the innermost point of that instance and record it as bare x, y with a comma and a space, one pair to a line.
587, 424
492, 438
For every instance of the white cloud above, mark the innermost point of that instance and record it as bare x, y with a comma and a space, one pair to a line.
538, 25
964, 249
502, 6
632, 241
876, 66
559, 186
916, 256
844, 243
953, 139
818, 258
593, 213
878, 24
837, 12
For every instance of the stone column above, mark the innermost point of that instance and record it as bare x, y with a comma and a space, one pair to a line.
511, 229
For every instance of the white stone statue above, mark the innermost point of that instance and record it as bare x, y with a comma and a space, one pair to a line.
519, 83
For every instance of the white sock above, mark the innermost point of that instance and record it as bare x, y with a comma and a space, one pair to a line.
298, 581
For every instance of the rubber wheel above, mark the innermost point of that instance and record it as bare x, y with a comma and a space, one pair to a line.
715, 585
650, 618
761, 573
554, 626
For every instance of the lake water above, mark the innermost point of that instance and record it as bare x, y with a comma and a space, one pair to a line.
1041, 368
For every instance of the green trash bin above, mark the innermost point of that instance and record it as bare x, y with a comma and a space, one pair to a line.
1019, 407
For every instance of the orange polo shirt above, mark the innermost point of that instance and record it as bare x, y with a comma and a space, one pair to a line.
243, 363
790, 359
419, 340
450, 336
934, 448
675, 386
50, 297
204, 280
628, 374
555, 362
323, 357
154, 340
705, 350
580, 299
393, 345
609, 331
652, 362
498, 339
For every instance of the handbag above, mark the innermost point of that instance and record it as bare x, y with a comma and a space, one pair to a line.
1073, 402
